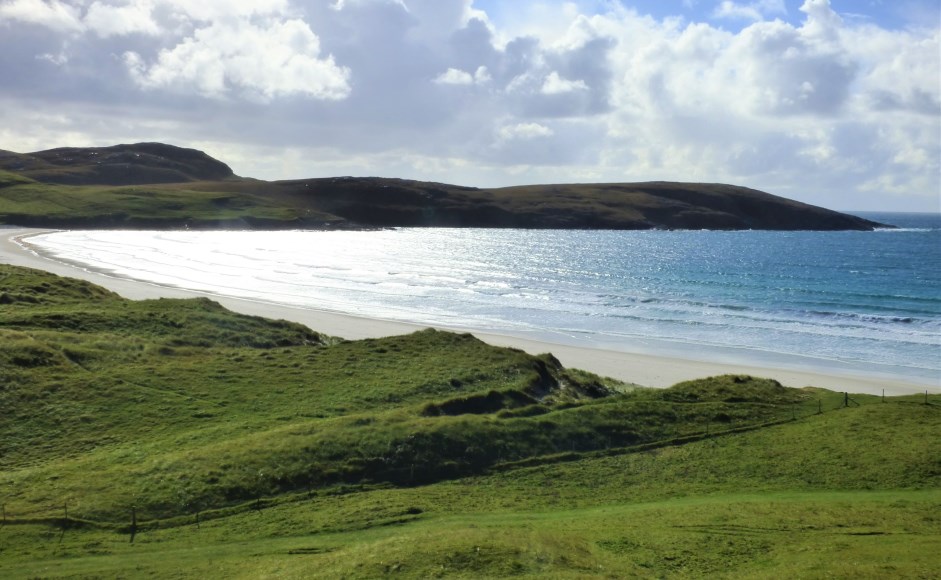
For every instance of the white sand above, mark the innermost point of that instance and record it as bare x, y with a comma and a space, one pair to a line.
644, 369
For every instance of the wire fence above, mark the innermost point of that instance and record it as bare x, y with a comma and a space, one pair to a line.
133, 526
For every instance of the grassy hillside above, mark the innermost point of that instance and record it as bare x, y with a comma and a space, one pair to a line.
664, 205
139, 163
155, 185
177, 439
196, 204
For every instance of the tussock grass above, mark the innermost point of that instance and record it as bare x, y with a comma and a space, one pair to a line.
425, 455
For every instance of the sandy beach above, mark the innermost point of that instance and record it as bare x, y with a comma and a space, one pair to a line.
643, 369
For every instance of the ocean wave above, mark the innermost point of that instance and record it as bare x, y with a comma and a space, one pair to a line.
792, 293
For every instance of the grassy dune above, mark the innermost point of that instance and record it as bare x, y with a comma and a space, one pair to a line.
234, 446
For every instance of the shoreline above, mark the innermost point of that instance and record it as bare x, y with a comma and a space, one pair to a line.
644, 369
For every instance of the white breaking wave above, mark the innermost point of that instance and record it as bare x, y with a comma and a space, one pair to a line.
803, 294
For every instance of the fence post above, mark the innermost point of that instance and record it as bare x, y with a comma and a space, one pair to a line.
819, 407
197, 519
883, 395
133, 523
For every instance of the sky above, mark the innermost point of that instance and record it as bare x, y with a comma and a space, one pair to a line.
831, 102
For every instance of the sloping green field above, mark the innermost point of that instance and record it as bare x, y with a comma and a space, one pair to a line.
194, 204
172, 438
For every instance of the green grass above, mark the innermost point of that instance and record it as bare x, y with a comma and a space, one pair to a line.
27, 202
425, 455
790, 535
227, 408
8, 179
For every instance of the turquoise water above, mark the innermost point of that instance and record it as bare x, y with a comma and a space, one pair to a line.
866, 301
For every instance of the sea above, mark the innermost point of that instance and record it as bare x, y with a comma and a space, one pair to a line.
853, 302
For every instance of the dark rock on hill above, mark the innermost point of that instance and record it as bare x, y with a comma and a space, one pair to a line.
137, 164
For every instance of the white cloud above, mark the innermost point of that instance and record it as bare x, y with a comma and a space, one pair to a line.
213, 10
903, 82
435, 20
59, 59
524, 131
256, 60
482, 75
788, 71
556, 85
754, 11
822, 20
455, 76
109, 20
52, 14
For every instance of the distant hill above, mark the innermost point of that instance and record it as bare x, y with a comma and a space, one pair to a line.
137, 164
619, 206
175, 187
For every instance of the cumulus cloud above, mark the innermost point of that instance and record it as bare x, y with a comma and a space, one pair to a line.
524, 131
213, 10
790, 70
252, 48
754, 11
812, 104
259, 60
53, 14
556, 85
109, 20
454, 76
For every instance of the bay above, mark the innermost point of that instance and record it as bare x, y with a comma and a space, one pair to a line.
869, 301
